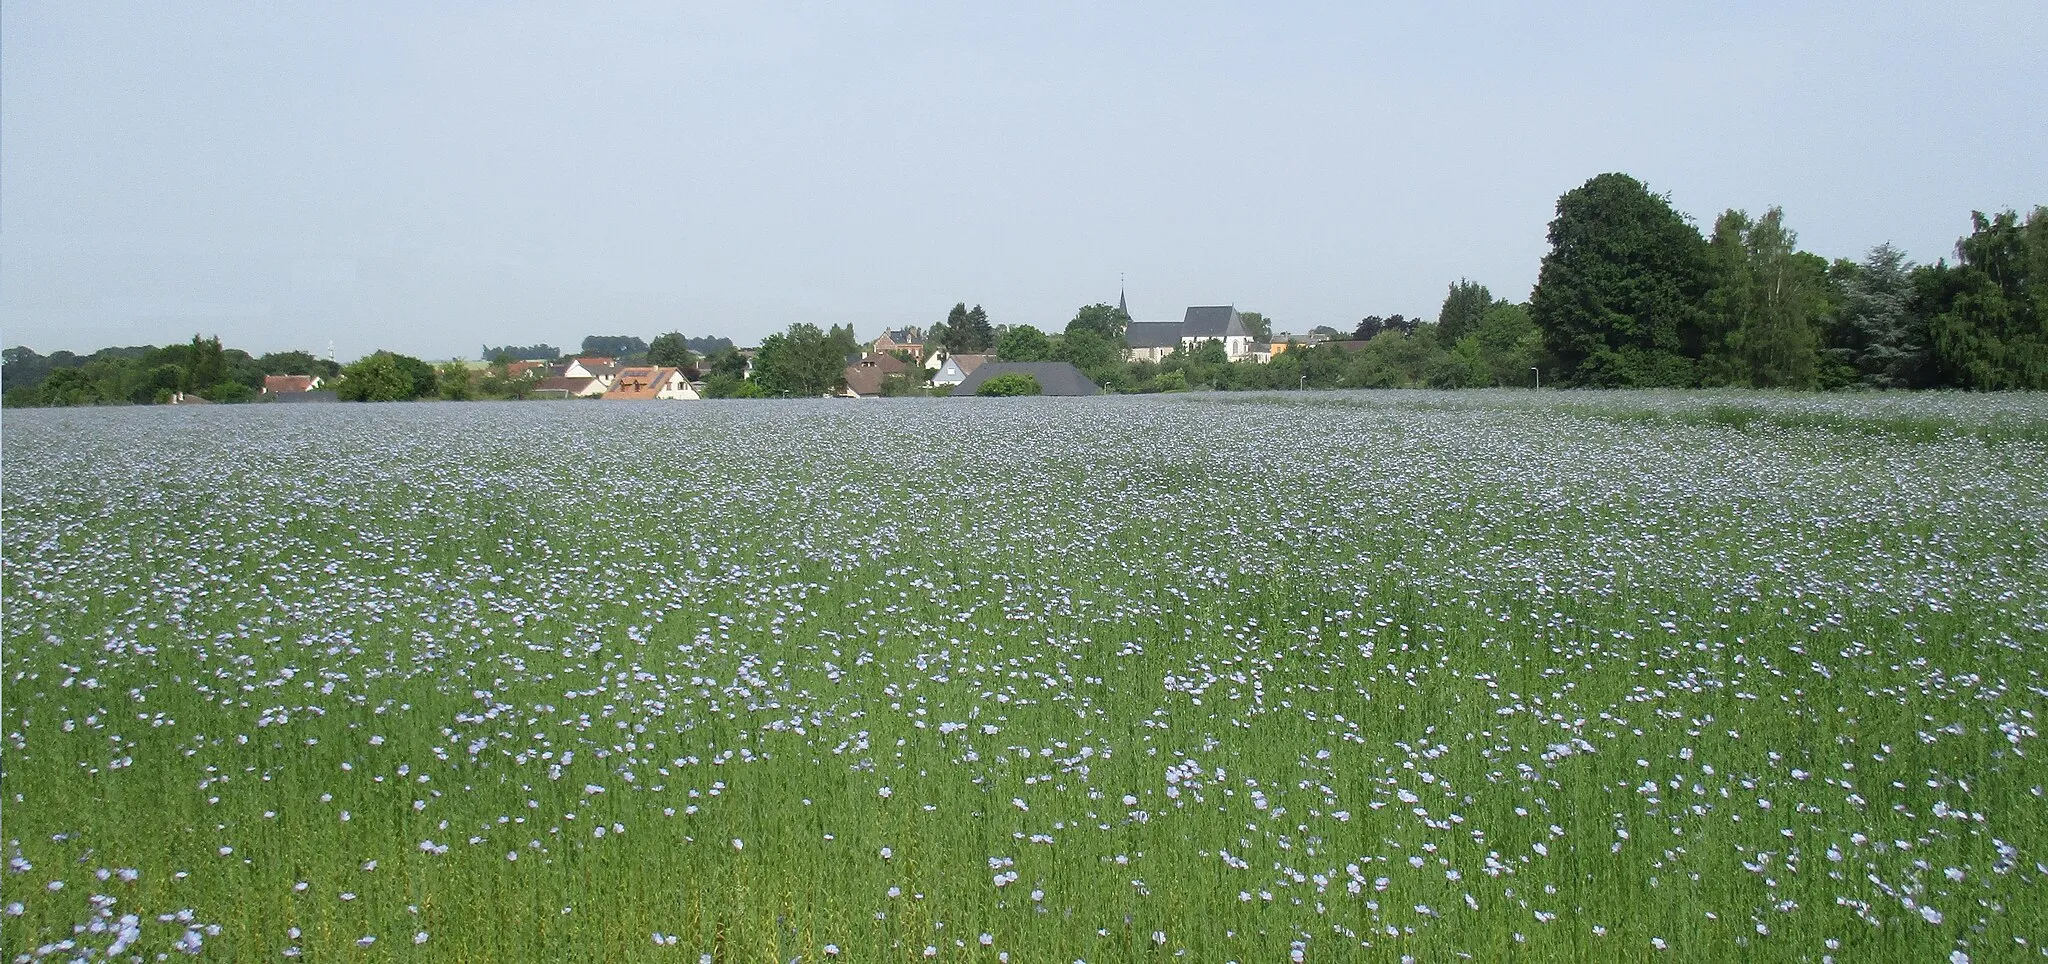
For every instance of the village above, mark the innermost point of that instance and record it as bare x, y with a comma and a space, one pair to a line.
899, 361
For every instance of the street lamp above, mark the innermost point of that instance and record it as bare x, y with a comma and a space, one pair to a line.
1304, 384
1539, 376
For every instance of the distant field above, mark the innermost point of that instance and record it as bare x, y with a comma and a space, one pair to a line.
1335, 676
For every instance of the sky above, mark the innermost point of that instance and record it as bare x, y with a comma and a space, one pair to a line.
432, 177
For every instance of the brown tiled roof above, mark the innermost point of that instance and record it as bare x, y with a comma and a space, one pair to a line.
280, 384
640, 383
562, 383
865, 377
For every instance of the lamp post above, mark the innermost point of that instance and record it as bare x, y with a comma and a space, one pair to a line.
1304, 384
1539, 376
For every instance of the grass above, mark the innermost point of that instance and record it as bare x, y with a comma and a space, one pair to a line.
1504, 676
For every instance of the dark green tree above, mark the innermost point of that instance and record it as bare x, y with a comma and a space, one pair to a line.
1104, 320
1259, 325
801, 362
1024, 343
1988, 315
1463, 306
377, 377
614, 346
205, 365
1764, 313
297, 363
1618, 296
729, 363
1873, 335
670, 351
967, 330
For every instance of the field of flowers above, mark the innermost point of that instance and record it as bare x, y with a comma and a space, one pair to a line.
1328, 677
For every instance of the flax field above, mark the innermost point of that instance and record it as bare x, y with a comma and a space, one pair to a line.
1507, 676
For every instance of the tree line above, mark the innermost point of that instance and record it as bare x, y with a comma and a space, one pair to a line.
1633, 294
146, 374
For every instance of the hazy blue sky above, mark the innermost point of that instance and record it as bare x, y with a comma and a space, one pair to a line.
427, 177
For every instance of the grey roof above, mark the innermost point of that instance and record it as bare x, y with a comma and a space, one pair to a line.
300, 398
1054, 378
1214, 321
1153, 334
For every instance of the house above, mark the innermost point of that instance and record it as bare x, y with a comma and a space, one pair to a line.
289, 384
956, 368
647, 384
605, 360
565, 386
901, 339
864, 377
520, 369
1054, 378
590, 368
1154, 340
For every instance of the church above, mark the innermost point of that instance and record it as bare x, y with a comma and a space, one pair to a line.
1154, 340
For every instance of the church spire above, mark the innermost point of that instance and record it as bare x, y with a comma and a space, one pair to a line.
1120, 307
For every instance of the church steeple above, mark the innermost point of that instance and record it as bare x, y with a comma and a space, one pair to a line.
1120, 307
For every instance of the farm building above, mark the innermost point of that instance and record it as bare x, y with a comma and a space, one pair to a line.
1054, 378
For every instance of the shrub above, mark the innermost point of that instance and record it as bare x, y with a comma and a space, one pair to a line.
1016, 383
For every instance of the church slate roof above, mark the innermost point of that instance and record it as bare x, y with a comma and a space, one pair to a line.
1214, 321
1153, 334
1054, 378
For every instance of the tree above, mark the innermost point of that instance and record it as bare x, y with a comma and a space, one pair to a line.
452, 380
670, 351
1763, 314
1779, 342
1259, 325
1873, 335
729, 363
803, 361
1013, 384
521, 352
229, 393
1509, 344
377, 377
1460, 314
1391, 360
204, 364
1094, 343
1104, 320
1988, 315
966, 330
499, 382
731, 386
1618, 297
297, 363
613, 346
843, 345
1024, 343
